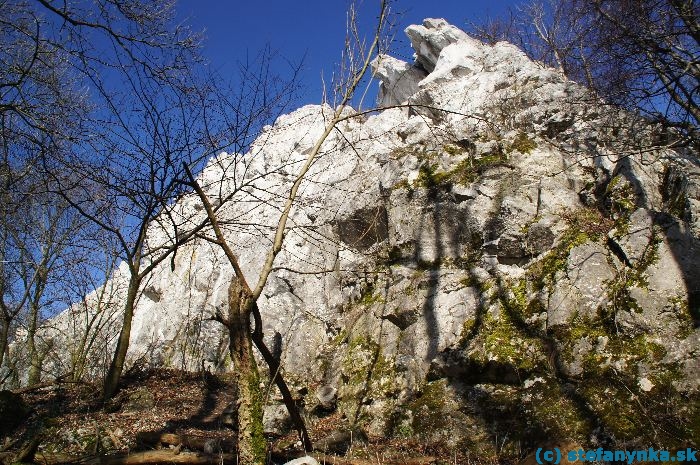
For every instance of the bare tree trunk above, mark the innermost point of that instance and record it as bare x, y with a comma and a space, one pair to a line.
4, 334
252, 447
117, 366
79, 358
34, 376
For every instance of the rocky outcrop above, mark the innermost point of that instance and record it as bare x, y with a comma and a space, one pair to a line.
503, 256
398, 80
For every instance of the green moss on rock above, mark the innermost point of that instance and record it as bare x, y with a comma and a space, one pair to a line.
366, 373
504, 342
554, 408
620, 198
428, 408
522, 143
430, 176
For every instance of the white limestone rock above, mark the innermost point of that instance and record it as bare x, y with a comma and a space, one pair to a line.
412, 230
430, 38
398, 80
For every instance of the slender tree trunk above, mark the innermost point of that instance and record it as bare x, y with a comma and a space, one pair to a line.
35, 357
4, 335
78, 358
117, 365
34, 376
252, 447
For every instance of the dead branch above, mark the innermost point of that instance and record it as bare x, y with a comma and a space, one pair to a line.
275, 371
28, 451
63, 379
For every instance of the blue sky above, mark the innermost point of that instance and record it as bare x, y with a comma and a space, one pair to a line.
311, 29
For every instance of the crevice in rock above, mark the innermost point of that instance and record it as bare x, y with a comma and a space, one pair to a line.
618, 252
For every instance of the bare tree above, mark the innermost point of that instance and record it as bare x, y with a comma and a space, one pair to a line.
50, 235
242, 297
12, 299
40, 106
121, 170
641, 55
114, 93
41, 101
94, 305
40, 236
57, 97
656, 45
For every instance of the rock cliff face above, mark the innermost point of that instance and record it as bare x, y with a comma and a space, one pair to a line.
505, 259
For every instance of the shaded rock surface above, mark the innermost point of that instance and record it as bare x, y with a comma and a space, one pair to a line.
140, 400
276, 420
338, 442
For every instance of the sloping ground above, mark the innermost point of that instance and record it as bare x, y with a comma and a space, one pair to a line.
182, 407
74, 422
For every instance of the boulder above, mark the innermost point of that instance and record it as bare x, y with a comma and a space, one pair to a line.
327, 397
139, 400
276, 420
339, 441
